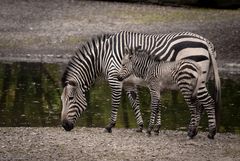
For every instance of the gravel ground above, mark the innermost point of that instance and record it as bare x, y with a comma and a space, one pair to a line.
49, 31
123, 144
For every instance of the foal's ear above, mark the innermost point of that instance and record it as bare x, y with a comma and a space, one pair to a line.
138, 48
126, 50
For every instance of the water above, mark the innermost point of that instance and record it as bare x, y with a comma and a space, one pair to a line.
30, 96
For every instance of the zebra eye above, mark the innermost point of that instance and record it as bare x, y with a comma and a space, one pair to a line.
72, 83
71, 98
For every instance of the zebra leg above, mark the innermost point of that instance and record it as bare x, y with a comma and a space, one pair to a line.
158, 120
209, 106
116, 97
192, 128
192, 105
134, 100
155, 100
199, 112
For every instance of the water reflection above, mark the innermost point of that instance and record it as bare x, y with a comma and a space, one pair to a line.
30, 96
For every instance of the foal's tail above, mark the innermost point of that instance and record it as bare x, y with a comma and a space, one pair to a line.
198, 81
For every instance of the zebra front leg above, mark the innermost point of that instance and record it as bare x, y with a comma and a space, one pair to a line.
158, 120
155, 100
134, 100
116, 97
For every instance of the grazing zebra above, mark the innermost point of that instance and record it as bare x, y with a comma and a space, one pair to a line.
89, 62
104, 54
182, 74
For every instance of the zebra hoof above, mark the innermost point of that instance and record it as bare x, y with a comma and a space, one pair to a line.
192, 133
108, 130
148, 133
140, 128
157, 129
156, 133
211, 134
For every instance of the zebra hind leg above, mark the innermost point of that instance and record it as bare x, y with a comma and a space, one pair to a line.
199, 112
192, 129
209, 106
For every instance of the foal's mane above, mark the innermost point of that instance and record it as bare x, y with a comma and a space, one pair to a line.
145, 54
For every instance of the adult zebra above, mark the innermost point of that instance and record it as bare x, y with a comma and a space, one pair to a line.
104, 55
93, 59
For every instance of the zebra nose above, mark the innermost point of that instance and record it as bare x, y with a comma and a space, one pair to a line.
67, 125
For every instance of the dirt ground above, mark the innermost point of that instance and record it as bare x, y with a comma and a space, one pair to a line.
50, 31
123, 144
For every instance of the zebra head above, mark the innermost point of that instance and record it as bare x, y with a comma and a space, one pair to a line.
73, 104
126, 68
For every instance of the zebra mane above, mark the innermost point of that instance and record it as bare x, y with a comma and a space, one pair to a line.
146, 54
81, 52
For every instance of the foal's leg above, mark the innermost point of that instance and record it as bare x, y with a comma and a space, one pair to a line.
158, 120
155, 100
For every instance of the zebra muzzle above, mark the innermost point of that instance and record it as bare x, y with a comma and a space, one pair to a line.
67, 125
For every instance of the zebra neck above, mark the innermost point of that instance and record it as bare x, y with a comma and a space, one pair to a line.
141, 67
86, 65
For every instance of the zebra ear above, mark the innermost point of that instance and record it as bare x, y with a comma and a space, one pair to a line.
138, 48
126, 50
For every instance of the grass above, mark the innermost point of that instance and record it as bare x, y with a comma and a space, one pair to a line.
168, 15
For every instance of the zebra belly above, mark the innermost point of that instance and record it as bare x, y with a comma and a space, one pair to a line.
167, 85
134, 80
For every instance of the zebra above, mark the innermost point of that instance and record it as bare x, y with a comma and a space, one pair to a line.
183, 74
103, 54
88, 63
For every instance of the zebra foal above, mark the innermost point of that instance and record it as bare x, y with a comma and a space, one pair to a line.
184, 75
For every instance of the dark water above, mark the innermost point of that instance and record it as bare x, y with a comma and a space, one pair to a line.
30, 96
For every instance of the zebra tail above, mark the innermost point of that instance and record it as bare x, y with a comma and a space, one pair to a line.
198, 84
217, 90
